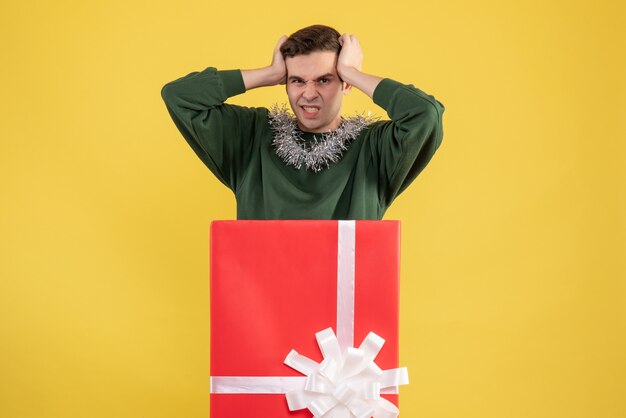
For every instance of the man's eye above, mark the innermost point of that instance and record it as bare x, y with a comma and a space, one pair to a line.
324, 81
296, 81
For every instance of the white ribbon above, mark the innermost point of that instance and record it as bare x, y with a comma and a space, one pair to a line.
347, 383
346, 237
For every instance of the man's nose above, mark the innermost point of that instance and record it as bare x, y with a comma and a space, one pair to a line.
310, 90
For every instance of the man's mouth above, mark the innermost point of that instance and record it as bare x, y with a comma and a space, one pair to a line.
310, 110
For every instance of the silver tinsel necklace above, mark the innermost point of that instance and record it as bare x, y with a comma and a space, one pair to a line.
319, 154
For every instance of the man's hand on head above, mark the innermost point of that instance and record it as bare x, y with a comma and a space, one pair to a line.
349, 65
273, 74
278, 62
351, 55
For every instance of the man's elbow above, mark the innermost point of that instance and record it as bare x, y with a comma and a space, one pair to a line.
440, 106
171, 96
166, 93
439, 125
435, 122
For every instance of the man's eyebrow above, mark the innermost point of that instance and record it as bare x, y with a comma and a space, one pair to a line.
327, 75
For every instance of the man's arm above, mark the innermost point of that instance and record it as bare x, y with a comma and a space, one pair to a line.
403, 146
222, 135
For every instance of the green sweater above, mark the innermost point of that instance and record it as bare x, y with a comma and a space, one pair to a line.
235, 143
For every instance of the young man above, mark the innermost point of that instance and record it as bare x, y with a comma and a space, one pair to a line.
316, 164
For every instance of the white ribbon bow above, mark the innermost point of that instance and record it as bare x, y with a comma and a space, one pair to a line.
344, 384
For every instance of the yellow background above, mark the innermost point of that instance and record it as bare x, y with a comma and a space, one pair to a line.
514, 237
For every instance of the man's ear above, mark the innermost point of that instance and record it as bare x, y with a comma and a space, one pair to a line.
346, 88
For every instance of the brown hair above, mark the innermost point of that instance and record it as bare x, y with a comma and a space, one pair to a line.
311, 39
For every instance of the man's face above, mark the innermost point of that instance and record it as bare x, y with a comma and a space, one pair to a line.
315, 90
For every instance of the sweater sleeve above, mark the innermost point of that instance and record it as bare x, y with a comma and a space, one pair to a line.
403, 146
221, 135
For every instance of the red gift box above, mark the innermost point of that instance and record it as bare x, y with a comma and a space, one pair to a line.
275, 284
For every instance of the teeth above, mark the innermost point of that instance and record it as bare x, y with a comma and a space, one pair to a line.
310, 109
